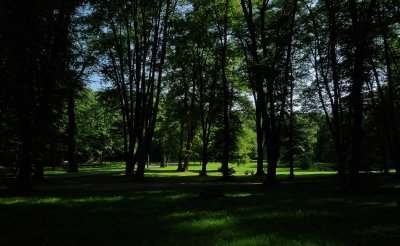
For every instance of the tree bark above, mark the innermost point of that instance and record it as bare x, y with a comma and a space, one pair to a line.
227, 97
361, 30
72, 132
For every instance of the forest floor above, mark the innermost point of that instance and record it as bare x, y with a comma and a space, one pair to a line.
106, 208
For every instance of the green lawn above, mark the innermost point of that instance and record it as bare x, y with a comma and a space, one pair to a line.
315, 209
154, 171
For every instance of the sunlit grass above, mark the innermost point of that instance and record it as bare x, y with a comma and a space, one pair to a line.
154, 171
114, 166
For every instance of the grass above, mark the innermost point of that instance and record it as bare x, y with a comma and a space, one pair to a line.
304, 213
315, 209
155, 172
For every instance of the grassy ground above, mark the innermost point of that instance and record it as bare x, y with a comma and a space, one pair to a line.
155, 172
315, 209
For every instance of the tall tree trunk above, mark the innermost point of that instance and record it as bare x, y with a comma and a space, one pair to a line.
357, 110
227, 99
338, 131
180, 157
291, 140
204, 160
72, 132
258, 89
272, 158
23, 181
335, 119
141, 158
163, 156
189, 144
361, 30
259, 125
379, 124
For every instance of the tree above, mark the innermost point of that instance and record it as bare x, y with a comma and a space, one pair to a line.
81, 60
387, 18
36, 61
98, 125
329, 83
300, 143
271, 86
134, 47
361, 26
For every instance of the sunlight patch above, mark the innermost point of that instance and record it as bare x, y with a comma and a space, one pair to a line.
240, 195
95, 199
16, 201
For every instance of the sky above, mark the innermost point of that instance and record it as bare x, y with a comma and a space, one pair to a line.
94, 82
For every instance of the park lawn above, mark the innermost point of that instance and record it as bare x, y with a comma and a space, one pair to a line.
110, 166
154, 171
321, 211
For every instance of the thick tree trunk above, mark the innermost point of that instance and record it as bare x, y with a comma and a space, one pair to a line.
130, 160
204, 160
23, 181
163, 156
361, 29
141, 161
272, 157
357, 111
72, 132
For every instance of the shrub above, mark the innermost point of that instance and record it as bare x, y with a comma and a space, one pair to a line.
231, 171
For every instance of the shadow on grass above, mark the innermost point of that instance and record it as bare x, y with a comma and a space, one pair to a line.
293, 214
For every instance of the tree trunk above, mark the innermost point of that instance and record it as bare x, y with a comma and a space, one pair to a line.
361, 31
180, 158
272, 157
258, 90
357, 111
227, 99
291, 142
204, 160
23, 181
72, 132
163, 156
188, 150
130, 160
259, 129
141, 161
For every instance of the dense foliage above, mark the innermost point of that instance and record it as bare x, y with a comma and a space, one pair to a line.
286, 81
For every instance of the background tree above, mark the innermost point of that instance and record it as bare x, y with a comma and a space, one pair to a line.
135, 38
81, 61
35, 62
329, 80
270, 39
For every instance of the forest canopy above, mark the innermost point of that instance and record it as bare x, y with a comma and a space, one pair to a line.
278, 82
